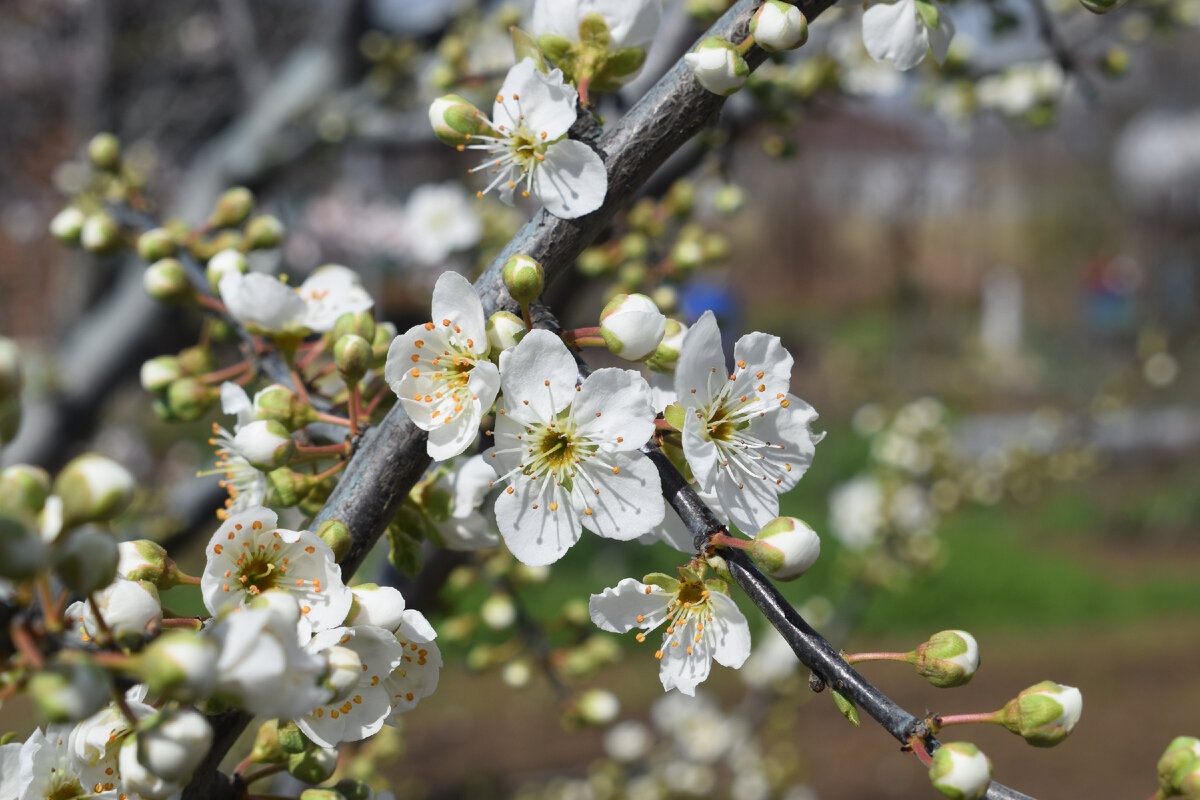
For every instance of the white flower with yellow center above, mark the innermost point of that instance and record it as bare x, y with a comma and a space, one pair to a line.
570, 454
703, 623
440, 371
746, 438
529, 151
248, 555
416, 676
266, 305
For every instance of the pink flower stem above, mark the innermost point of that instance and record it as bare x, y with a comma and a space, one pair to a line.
375, 401
211, 303
50, 610
313, 351
725, 540
23, 639
266, 771
917, 743
962, 719
335, 469
301, 390
855, 658
355, 407
583, 337
745, 45
322, 450
333, 419
228, 373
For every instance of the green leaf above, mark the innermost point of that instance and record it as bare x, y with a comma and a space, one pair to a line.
675, 415
662, 581
525, 46
553, 46
929, 14
846, 706
593, 32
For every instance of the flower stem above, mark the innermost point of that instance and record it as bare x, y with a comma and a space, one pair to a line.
917, 744
322, 449
211, 303
228, 373
50, 611
23, 639
355, 407
583, 337
962, 719
745, 45
335, 469
333, 419
855, 658
311, 353
725, 540
181, 622
270, 769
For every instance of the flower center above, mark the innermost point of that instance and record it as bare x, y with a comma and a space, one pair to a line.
526, 148
257, 574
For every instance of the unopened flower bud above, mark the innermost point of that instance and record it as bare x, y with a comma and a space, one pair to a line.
778, 26
137, 777
360, 323
199, 359
1102, 6
455, 120
291, 739
93, 488
290, 487
175, 743
23, 489
688, 253
262, 232
312, 766
223, 263
947, 659
180, 665
71, 688
86, 560
266, 749
352, 355
100, 233
335, 534
596, 707
22, 552
167, 281
159, 372
278, 402
264, 443
143, 560
1044, 714
960, 771
321, 794
632, 326
232, 208
504, 329
1186, 780
156, 244
385, 332
12, 375
595, 261
1180, 753
718, 66
67, 225
666, 355
785, 548
10, 418
190, 398
104, 151
524, 278
353, 789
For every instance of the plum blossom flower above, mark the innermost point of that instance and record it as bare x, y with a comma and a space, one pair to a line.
126, 607
903, 30
42, 767
703, 623
266, 305
440, 220
248, 555
94, 742
440, 369
746, 438
358, 707
466, 528
245, 484
570, 454
529, 147
631, 23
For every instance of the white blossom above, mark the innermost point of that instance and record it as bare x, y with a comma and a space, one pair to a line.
358, 710
439, 220
468, 484
631, 23
127, 608
266, 305
897, 30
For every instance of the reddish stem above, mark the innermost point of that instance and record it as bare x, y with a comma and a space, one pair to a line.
725, 540
23, 639
332, 419
301, 389
918, 747
375, 401
266, 771
322, 450
855, 658
212, 303
228, 373
50, 610
583, 337
314, 350
334, 470
663, 425
355, 407
962, 719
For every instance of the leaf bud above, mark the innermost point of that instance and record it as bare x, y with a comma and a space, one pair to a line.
70, 688
67, 225
455, 120
174, 743
190, 398
167, 281
266, 749
335, 534
290, 487
180, 665
353, 789
22, 552
785, 548
352, 355
100, 233
666, 355
156, 244
291, 739
159, 372
93, 488
104, 151
232, 207
961, 771
778, 26
262, 232
312, 766
266, 444
360, 323
86, 560
632, 326
524, 278
947, 659
504, 329
718, 66
1180, 753
1044, 714
224, 262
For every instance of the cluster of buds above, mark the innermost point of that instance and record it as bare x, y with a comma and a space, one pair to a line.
720, 66
1179, 769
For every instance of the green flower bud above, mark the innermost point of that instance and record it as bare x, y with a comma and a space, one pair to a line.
947, 659
729, 198
688, 252
23, 554
104, 151
1180, 753
778, 26
267, 749
632, 326
595, 261
23, 489
223, 263
352, 355
335, 534
262, 232
1044, 714
312, 766
10, 418
785, 548
455, 120
156, 244
1102, 6
289, 487
93, 488
321, 794
718, 66
197, 360
385, 332
70, 689
167, 281
180, 665
1115, 61
1186, 780
291, 739
159, 372
360, 323
67, 225
596, 707
960, 771
232, 208
86, 560
635, 245
352, 789
145, 560
681, 198
666, 355
554, 46
524, 278
715, 247
278, 402
12, 375
504, 329
100, 234
188, 399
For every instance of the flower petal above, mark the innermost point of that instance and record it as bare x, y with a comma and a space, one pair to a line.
617, 608
700, 358
892, 30
700, 451
262, 300
571, 181
729, 632
542, 102
538, 373
939, 40
454, 298
629, 499
615, 404
542, 535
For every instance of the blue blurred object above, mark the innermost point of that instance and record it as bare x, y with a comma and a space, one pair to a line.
698, 296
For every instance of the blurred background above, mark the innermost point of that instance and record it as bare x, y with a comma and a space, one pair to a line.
987, 274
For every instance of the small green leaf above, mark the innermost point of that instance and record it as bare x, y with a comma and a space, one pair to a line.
525, 46
593, 32
674, 414
661, 580
846, 706
929, 14
553, 46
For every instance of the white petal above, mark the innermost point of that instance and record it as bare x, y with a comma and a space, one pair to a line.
681, 670
729, 632
700, 451
939, 40
454, 298
234, 400
763, 353
617, 608
571, 181
546, 103
329, 292
893, 30
537, 536
700, 354
750, 502
262, 300
615, 403
630, 500
540, 370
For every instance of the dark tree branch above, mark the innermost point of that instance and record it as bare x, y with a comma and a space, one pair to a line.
1059, 50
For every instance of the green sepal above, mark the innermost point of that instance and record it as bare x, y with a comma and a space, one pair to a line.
717, 585
553, 46
525, 46
846, 706
593, 32
615, 66
675, 415
929, 14
661, 580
